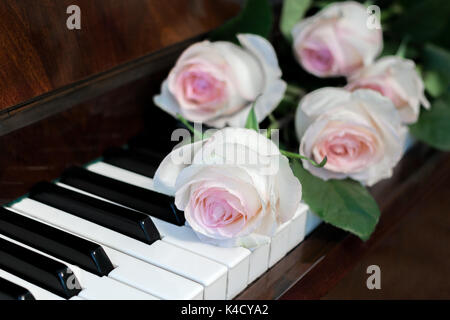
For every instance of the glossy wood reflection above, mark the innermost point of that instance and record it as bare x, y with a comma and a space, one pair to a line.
41, 151
414, 259
312, 269
40, 54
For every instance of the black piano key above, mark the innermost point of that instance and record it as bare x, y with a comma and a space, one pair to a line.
126, 221
57, 243
152, 145
150, 202
135, 161
12, 291
33, 267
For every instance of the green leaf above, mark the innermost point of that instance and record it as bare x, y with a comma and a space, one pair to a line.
293, 11
401, 51
256, 17
252, 122
433, 126
437, 59
345, 204
422, 20
434, 84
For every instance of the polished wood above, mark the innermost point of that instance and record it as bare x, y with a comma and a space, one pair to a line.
60, 100
68, 95
80, 134
41, 60
314, 267
414, 259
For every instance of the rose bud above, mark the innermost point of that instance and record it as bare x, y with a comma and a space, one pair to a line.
336, 41
397, 79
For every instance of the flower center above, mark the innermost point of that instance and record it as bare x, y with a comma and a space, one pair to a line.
319, 59
217, 208
202, 89
346, 151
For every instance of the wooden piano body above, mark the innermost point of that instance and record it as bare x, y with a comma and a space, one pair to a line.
67, 95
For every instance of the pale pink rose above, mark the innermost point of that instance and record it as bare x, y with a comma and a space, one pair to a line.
233, 185
336, 41
397, 79
360, 132
217, 82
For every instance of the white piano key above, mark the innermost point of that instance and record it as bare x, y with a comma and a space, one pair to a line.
235, 259
117, 173
36, 291
312, 222
157, 282
273, 252
105, 288
279, 243
297, 226
95, 287
284, 239
147, 277
259, 257
211, 275
292, 233
259, 261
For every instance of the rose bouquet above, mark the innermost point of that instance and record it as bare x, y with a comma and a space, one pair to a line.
340, 88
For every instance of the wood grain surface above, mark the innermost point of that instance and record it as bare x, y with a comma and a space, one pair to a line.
40, 54
319, 263
41, 151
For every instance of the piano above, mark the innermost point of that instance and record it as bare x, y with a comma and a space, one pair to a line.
81, 141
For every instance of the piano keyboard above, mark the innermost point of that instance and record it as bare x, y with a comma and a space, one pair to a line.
102, 232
